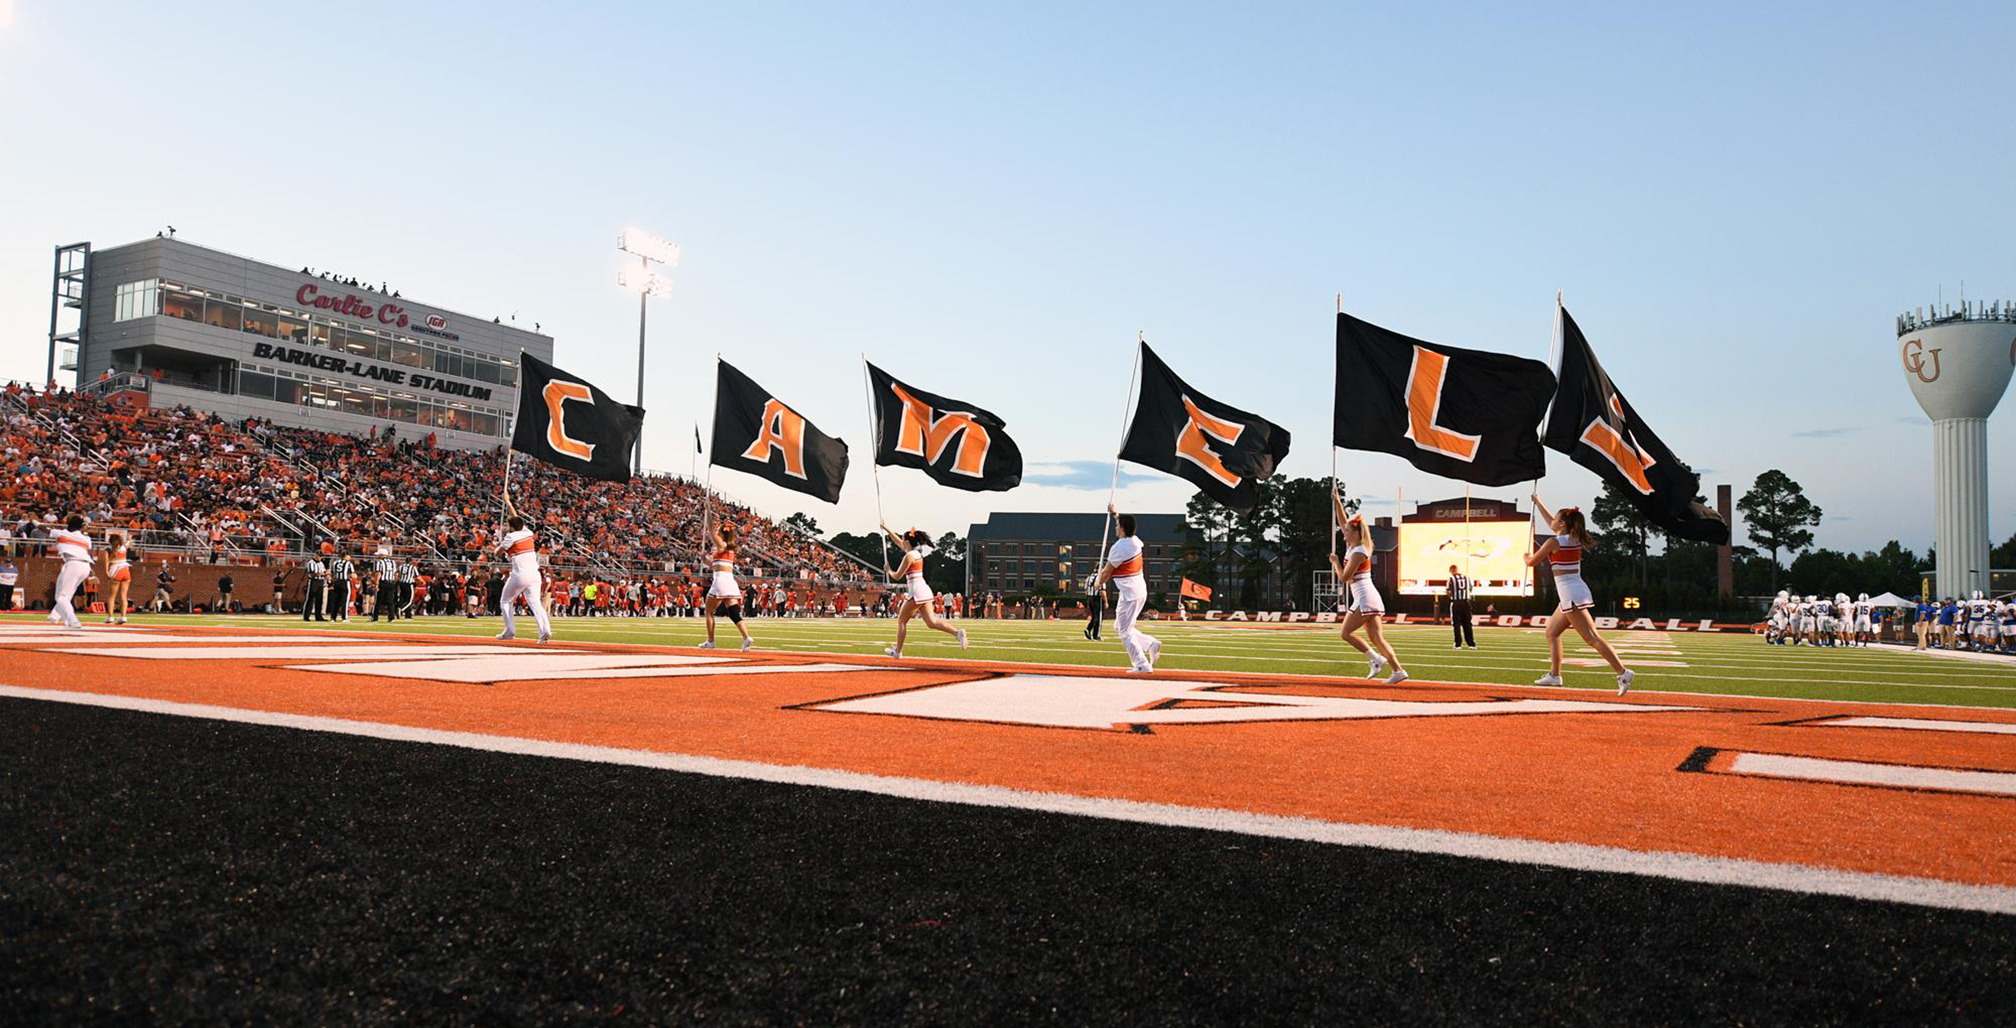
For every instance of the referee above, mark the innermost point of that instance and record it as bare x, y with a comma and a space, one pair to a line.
318, 589
340, 571
386, 571
1459, 608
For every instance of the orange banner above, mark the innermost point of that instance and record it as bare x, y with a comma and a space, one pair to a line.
1195, 591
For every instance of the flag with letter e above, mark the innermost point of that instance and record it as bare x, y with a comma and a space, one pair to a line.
568, 423
1463, 414
755, 432
955, 443
1218, 448
1595, 426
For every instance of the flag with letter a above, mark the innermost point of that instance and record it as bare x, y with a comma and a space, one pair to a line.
1463, 414
955, 443
1218, 448
568, 423
755, 432
1595, 426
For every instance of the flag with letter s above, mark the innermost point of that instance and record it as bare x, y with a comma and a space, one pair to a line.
1471, 415
757, 433
1597, 428
568, 423
1218, 448
956, 443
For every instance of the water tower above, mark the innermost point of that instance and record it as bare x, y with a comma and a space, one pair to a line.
1958, 361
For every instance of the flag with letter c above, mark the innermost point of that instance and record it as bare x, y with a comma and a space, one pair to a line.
568, 423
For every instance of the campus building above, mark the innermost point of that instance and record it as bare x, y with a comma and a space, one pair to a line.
166, 322
1019, 553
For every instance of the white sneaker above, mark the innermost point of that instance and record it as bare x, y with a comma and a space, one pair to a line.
748, 644
1547, 680
545, 637
108, 621
962, 638
708, 645
505, 635
1397, 677
1154, 653
1140, 670
1624, 681
1377, 665
893, 652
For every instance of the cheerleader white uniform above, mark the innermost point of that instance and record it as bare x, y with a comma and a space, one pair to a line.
1365, 597
122, 569
1568, 584
914, 585
723, 584
1129, 581
523, 550
75, 550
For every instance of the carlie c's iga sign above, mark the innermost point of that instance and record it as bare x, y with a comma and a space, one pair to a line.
1327, 617
350, 305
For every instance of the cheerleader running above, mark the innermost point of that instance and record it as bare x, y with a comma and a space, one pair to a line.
1366, 610
1564, 552
916, 545
723, 592
74, 548
118, 571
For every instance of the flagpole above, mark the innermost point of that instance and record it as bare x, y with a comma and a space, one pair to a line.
1335, 487
875, 466
1140, 340
707, 490
1553, 349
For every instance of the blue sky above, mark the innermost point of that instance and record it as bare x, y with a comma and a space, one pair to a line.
1737, 200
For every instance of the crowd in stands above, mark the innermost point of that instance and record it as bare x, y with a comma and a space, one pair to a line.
177, 477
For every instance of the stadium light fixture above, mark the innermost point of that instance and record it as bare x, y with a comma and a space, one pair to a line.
646, 283
649, 247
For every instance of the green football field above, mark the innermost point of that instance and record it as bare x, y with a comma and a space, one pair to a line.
1666, 662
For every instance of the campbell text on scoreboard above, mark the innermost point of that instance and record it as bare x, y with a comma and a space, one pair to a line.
243, 338
1489, 545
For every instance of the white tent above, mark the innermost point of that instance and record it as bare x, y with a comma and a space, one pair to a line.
1891, 600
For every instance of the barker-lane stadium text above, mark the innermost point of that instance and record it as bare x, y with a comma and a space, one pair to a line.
376, 373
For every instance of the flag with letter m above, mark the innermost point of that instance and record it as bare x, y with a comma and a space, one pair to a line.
1595, 426
1470, 415
956, 443
1218, 448
757, 433
568, 423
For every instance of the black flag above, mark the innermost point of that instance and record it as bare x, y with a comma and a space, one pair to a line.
1220, 449
1595, 426
568, 423
955, 443
755, 432
1463, 414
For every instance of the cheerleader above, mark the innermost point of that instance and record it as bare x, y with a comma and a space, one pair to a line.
916, 545
1366, 610
1564, 553
118, 571
723, 592
73, 547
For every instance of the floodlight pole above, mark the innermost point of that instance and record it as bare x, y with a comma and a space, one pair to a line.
643, 298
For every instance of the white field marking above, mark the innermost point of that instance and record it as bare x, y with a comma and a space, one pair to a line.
1079, 702
109, 638
535, 666
1921, 724
1687, 867
300, 651
1644, 687
1600, 662
1853, 772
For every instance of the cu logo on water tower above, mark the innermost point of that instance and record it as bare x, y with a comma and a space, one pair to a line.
1915, 362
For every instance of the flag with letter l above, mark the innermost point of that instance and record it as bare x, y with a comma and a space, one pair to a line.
1470, 415
1218, 448
956, 443
757, 433
568, 423
1597, 428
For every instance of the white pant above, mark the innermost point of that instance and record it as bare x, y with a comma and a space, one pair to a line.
67, 581
1133, 596
527, 586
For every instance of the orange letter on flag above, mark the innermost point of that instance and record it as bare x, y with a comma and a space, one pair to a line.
557, 394
1424, 405
1190, 443
783, 430
1610, 442
925, 433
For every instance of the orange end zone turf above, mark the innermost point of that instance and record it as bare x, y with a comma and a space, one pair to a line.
1913, 791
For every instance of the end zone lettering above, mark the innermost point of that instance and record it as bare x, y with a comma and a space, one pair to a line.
358, 369
1643, 624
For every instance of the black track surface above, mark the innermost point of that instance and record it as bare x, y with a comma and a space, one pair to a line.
164, 870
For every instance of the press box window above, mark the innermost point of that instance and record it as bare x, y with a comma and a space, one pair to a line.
137, 300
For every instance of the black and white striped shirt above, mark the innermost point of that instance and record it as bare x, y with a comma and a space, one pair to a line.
1459, 587
317, 571
341, 569
385, 568
408, 572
